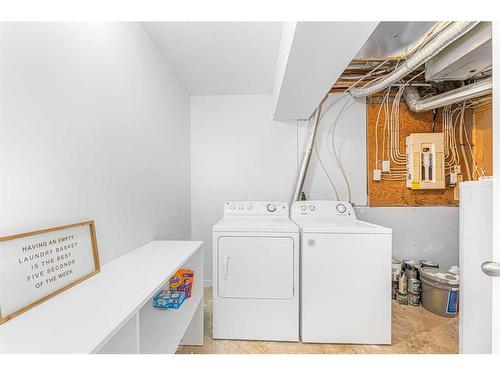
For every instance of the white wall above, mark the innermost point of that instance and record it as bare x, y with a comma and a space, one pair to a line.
93, 125
419, 232
238, 153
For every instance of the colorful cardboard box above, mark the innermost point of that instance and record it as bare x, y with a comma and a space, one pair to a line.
169, 299
182, 281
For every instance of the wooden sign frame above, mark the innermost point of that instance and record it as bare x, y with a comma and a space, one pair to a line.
95, 254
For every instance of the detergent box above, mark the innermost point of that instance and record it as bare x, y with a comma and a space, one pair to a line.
169, 299
182, 281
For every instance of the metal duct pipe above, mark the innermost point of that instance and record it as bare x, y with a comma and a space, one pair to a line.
446, 37
307, 155
474, 90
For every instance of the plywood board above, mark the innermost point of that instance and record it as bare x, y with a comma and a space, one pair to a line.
395, 193
482, 138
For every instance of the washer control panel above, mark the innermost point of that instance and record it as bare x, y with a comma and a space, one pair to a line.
323, 209
233, 208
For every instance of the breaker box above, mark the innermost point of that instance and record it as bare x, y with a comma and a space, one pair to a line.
425, 161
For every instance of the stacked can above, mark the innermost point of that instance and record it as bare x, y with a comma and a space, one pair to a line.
414, 286
402, 296
402, 293
406, 284
396, 270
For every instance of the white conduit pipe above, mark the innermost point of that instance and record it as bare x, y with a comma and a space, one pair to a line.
474, 90
449, 35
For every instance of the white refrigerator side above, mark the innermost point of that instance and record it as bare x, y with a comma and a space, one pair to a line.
475, 327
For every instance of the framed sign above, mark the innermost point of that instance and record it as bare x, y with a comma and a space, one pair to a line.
38, 265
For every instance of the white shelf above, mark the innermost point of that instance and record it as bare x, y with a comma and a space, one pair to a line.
161, 331
86, 317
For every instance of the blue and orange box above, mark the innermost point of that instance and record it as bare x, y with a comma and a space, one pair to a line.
168, 299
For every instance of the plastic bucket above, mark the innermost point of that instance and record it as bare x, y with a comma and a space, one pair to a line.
439, 291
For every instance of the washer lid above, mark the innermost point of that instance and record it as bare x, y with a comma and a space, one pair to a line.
329, 226
256, 224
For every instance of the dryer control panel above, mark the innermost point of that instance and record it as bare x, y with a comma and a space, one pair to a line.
236, 208
338, 210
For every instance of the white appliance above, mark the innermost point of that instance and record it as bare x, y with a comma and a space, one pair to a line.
476, 235
256, 273
345, 275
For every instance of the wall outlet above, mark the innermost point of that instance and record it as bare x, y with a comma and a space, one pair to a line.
386, 166
377, 175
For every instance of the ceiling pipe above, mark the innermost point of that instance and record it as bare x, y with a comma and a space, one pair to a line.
441, 41
474, 90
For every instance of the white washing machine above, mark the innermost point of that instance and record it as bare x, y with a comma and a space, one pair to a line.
256, 273
345, 275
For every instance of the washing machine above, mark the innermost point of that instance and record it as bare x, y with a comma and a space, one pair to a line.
256, 273
345, 275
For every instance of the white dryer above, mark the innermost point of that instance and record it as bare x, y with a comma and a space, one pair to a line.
345, 275
256, 273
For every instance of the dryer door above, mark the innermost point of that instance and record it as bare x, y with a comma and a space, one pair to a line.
255, 267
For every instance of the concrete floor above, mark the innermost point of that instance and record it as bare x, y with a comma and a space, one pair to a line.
414, 330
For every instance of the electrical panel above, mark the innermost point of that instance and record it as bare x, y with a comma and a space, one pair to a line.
425, 161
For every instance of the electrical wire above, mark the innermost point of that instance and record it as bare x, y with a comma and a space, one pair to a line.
332, 184
376, 127
475, 170
339, 164
333, 126
316, 152
462, 145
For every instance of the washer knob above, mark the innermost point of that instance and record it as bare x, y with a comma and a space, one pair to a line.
303, 207
312, 208
249, 207
232, 207
271, 207
240, 207
341, 208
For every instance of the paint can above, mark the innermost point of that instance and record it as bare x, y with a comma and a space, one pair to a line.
402, 298
440, 291
428, 263
413, 299
411, 272
405, 263
395, 275
403, 283
395, 285
414, 285
396, 269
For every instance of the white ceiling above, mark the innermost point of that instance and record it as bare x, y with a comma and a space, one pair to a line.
213, 58
390, 38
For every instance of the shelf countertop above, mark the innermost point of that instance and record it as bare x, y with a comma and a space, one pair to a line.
83, 318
